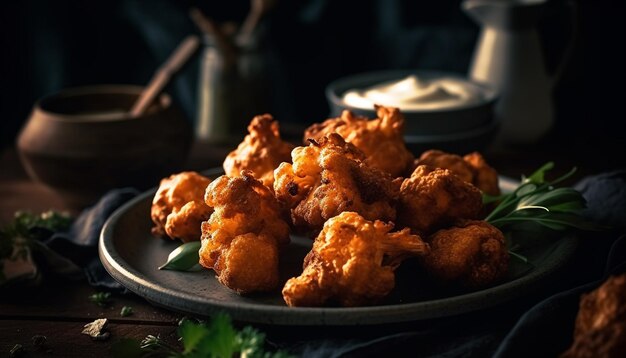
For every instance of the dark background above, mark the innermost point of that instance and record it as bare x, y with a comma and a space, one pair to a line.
50, 45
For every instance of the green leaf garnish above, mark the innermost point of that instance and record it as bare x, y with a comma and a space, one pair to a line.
522, 258
192, 335
101, 298
222, 339
217, 339
537, 200
126, 311
27, 227
539, 175
184, 258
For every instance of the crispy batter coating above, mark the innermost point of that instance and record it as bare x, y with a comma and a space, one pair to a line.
600, 329
242, 239
472, 168
485, 177
261, 151
178, 207
471, 255
381, 139
433, 198
454, 163
328, 178
352, 263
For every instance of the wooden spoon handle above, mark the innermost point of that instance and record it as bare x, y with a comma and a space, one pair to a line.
161, 78
258, 8
208, 26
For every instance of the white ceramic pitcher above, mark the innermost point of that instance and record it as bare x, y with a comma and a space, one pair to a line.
508, 56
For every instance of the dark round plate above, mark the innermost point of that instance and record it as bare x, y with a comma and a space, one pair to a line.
131, 255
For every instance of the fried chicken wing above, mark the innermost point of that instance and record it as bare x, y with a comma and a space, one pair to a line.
242, 238
600, 329
433, 198
472, 168
328, 178
380, 139
261, 151
178, 206
471, 255
352, 263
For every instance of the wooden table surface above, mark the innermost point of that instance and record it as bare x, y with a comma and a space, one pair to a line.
58, 310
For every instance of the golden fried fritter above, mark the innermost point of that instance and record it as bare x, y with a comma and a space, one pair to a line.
472, 168
242, 239
178, 207
352, 263
485, 177
433, 198
261, 151
328, 178
472, 255
600, 329
439, 159
381, 139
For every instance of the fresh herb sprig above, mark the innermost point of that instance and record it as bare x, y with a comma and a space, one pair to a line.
217, 338
27, 227
21, 236
30, 226
539, 201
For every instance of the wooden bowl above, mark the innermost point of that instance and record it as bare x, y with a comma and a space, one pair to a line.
82, 142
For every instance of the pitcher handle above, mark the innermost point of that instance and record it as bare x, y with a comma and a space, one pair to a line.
569, 50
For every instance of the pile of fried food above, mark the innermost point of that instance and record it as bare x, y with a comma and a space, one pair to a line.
356, 190
600, 329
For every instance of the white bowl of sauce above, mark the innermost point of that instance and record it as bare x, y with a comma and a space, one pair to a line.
413, 93
433, 102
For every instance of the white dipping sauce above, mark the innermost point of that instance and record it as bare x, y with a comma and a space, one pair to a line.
412, 93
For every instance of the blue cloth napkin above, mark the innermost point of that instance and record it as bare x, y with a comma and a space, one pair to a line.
80, 243
518, 329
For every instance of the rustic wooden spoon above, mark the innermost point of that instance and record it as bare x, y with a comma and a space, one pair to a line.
258, 8
163, 75
222, 41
